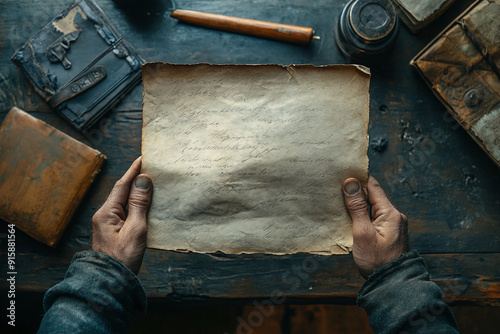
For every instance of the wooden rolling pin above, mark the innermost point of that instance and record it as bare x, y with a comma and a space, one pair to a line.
276, 31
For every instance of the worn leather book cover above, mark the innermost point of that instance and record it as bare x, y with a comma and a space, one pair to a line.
80, 64
417, 14
461, 65
44, 174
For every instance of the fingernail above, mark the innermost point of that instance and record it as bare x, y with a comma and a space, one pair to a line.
352, 187
143, 183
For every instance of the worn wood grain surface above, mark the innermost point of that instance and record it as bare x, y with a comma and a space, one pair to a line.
429, 166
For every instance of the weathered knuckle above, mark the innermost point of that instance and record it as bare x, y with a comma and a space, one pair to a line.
395, 216
119, 184
357, 204
139, 200
97, 218
376, 184
384, 210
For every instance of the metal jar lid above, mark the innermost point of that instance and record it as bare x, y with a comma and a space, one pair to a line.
367, 30
372, 20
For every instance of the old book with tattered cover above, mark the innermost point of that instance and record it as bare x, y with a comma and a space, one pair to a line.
417, 14
462, 65
44, 174
80, 64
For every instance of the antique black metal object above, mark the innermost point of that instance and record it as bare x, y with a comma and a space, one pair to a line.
367, 30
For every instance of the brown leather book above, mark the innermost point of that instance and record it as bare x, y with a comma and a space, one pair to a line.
44, 174
462, 67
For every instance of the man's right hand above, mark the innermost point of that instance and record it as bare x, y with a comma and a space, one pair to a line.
381, 238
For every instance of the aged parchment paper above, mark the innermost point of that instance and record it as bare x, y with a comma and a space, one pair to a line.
251, 158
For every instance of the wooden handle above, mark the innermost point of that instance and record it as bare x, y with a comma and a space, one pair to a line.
276, 31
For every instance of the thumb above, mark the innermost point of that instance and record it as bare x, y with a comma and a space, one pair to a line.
139, 198
355, 201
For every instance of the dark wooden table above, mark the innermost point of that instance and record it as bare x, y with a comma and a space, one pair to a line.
429, 166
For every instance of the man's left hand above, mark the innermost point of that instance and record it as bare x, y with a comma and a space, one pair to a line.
120, 226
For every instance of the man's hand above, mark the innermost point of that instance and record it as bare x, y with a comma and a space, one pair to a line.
381, 238
120, 226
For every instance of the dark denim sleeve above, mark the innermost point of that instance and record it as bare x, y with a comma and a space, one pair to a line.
97, 295
400, 298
